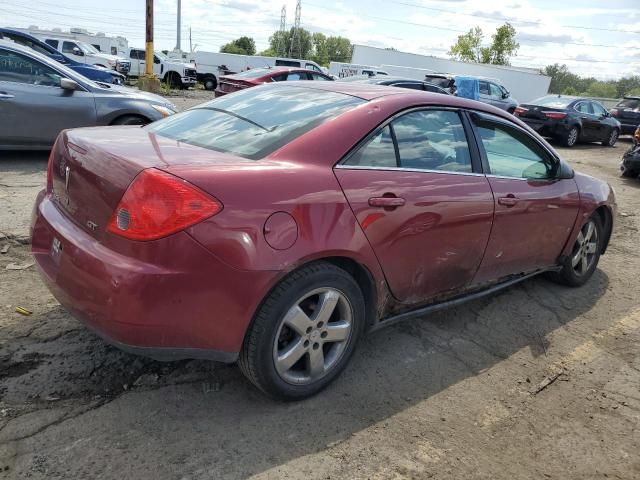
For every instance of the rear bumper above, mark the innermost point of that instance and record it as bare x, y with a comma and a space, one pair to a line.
628, 128
547, 128
631, 160
167, 299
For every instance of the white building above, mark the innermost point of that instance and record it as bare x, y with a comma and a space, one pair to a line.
525, 84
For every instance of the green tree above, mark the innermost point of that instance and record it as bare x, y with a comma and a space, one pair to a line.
242, 45
339, 49
320, 54
634, 92
468, 47
570, 91
561, 78
281, 43
601, 89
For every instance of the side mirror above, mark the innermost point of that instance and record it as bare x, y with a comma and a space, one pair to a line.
565, 172
505, 95
77, 51
68, 84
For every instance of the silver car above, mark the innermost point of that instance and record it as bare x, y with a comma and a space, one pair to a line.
39, 97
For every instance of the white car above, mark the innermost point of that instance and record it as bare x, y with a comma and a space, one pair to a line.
85, 53
170, 70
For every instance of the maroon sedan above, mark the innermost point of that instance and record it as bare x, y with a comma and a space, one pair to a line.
258, 76
275, 226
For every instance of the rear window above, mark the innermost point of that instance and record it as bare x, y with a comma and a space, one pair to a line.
255, 122
553, 101
632, 103
253, 73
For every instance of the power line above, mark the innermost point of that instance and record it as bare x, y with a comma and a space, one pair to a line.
507, 19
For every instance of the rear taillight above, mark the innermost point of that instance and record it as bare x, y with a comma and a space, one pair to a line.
50, 170
555, 115
520, 110
614, 112
157, 204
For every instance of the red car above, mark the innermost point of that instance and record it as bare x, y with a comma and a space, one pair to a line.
275, 226
258, 76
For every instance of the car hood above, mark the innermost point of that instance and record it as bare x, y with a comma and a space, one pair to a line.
137, 94
106, 56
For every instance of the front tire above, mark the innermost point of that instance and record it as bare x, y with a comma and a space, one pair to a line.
304, 333
571, 137
130, 120
612, 139
579, 266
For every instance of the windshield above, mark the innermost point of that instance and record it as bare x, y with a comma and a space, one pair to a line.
161, 56
86, 48
553, 101
255, 122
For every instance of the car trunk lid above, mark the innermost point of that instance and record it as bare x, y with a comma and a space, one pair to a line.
93, 167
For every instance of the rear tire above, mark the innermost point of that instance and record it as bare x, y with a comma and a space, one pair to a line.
130, 120
570, 138
173, 80
612, 139
629, 173
579, 266
304, 333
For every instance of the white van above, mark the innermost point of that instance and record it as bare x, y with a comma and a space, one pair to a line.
344, 70
211, 65
85, 53
172, 71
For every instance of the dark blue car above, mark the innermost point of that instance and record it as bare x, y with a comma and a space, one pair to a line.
92, 72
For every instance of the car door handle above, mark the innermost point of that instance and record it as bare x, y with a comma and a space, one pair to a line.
508, 201
6, 95
386, 202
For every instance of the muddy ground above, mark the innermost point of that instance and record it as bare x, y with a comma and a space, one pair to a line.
539, 381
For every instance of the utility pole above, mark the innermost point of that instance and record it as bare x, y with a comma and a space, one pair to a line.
296, 41
149, 81
281, 47
179, 24
190, 44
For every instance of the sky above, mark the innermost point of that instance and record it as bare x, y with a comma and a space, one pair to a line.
594, 38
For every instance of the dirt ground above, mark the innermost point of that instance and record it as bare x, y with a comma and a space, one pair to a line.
537, 382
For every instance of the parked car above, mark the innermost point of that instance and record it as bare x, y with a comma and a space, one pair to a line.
97, 74
84, 53
570, 120
212, 65
627, 112
304, 214
405, 83
39, 97
346, 70
258, 76
630, 166
173, 72
491, 91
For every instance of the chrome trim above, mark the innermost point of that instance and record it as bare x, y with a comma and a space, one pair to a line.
418, 170
489, 175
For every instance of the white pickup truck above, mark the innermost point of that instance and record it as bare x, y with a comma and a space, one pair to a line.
172, 71
85, 53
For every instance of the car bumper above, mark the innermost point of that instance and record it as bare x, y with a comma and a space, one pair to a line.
190, 81
631, 160
154, 303
219, 93
547, 128
628, 128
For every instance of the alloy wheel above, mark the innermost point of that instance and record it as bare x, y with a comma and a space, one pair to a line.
573, 137
313, 336
585, 248
613, 138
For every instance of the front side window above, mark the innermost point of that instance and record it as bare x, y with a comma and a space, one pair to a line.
312, 67
431, 140
296, 76
315, 76
495, 90
484, 88
114, 51
134, 54
254, 122
67, 47
513, 153
598, 109
20, 69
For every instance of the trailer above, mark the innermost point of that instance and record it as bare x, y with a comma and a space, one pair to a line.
346, 70
525, 84
112, 45
211, 65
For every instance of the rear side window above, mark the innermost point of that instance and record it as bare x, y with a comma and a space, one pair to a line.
254, 122
512, 153
431, 140
53, 43
297, 76
584, 107
315, 76
21, 69
484, 88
